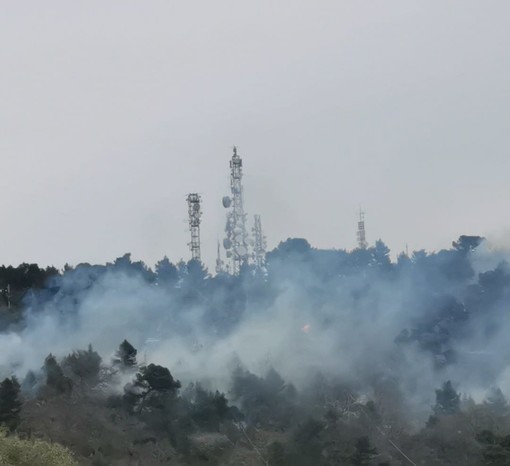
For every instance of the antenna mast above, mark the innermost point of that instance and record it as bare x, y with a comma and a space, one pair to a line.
260, 245
219, 262
194, 212
236, 241
362, 241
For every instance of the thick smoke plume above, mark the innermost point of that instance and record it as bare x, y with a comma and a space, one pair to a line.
355, 317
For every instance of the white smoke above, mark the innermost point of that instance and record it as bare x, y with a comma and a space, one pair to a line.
351, 332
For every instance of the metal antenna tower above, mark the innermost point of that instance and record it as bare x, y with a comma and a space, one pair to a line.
194, 213
362, 241
236, 241
260, 245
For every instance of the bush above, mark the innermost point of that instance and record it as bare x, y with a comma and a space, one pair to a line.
17, 452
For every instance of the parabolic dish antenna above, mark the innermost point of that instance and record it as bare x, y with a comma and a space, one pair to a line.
241, 251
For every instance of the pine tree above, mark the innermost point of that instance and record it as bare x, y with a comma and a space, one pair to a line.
84, 364
55, 377
126, 355
10, 403
447, 400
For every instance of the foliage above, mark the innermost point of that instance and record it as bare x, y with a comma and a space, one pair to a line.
153, 387
496, 448
126, 355
266, 401
208, 410
17, 452
156, 377
166, 272
55, 377
26, 276
10, 403
447, 400
84, 364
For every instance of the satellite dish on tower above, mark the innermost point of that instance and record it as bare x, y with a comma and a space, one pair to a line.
241, 251
227, 202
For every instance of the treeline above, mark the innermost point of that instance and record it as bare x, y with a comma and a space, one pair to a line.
25, 276
446, 294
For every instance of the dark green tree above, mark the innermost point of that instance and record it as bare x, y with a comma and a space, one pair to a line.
158, 378
166, 272
29, 382
210, 409
84, 364
153, 386
381, 254
447, 400
266, 401
10, 403
55, 377
467, 243
126, 355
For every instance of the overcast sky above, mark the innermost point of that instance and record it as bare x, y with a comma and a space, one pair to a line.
112, 111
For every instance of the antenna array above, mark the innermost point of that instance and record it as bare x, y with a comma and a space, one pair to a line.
194, 213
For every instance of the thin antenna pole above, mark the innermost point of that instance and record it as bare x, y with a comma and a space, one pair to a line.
219, 262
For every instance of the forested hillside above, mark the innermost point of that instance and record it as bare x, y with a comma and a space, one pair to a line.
322, 357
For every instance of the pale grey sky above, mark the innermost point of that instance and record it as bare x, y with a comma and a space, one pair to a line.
112, 111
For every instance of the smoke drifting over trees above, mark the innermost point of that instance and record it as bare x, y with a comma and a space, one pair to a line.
327, 357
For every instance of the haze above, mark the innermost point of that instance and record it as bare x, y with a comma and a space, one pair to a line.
111, 112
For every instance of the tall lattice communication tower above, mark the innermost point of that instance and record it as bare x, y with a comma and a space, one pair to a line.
361, 234
236, 241
194, 213
260, 245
